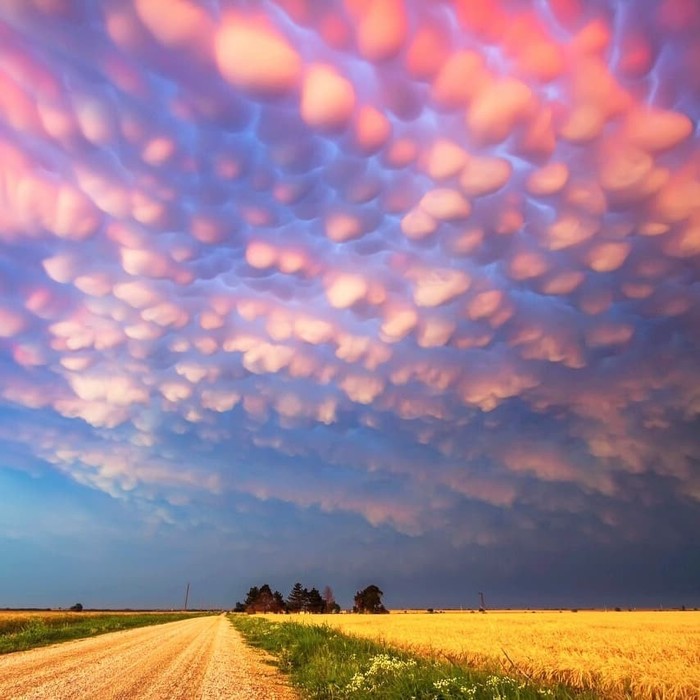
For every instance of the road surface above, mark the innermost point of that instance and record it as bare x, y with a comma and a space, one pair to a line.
199, 659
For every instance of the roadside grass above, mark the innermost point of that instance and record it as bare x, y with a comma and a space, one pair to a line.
20, 633
328, 665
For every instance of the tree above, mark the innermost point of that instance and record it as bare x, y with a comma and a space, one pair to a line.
252, 596
314, 602
264, 600
304, 600
369, 600
278, 602
329, 604
297, 598
78, 607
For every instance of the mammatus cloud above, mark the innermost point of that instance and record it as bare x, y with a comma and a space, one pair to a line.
408, 261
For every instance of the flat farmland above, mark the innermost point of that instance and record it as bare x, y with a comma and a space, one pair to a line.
10, 617
9, 614
619, 654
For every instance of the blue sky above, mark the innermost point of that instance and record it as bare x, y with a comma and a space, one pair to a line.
384, 292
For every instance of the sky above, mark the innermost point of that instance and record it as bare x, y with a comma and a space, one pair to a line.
350, 292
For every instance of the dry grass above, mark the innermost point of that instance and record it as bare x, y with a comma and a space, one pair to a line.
20, 630
621, 654
11, 620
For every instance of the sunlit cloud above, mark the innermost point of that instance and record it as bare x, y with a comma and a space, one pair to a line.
411, 258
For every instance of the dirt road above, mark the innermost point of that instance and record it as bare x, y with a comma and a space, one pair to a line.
199, 659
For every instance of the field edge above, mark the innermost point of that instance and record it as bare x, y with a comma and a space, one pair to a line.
323, 663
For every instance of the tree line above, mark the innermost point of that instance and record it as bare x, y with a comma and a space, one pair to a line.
263, 599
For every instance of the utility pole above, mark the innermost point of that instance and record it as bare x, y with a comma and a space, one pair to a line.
187, 594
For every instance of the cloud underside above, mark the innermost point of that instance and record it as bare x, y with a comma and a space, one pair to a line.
419, 263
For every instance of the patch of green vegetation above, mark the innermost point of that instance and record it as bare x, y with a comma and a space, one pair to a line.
19, 634
327, 665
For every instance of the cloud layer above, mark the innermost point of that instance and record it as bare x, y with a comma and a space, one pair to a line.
430, 266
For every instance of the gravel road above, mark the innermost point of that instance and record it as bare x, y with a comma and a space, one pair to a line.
199, 659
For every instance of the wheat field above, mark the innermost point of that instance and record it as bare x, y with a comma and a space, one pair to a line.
639, 654
12, 620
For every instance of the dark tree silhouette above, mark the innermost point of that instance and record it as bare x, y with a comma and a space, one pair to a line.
297, 598
279, 602
252, 596
78, 607
305, 600
369, 600
314, 602
264, 600
300, 599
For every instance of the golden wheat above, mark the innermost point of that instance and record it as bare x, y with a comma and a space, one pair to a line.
622, 654
12, 616
20, 615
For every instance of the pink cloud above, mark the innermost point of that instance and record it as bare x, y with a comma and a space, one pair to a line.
433, 287
570, 229
497, 108
492, 385
547, 180
253, 55
415, 223
177, 24
343, 290
435, 332
372, 129
495, 491
327, 98
381, 26
397, 323
656, 130
608, 256
484, 175
459, 79
445, 204
362, 388
445, 159
550, 464
11, 323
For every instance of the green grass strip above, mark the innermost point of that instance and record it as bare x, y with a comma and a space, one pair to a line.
326, 664
40, 630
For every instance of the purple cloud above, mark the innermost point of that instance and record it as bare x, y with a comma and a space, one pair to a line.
295, 256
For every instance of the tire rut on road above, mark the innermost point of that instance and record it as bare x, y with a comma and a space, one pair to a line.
199, 659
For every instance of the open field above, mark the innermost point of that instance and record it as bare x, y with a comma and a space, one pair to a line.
20, 630
328, 665
619, 654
